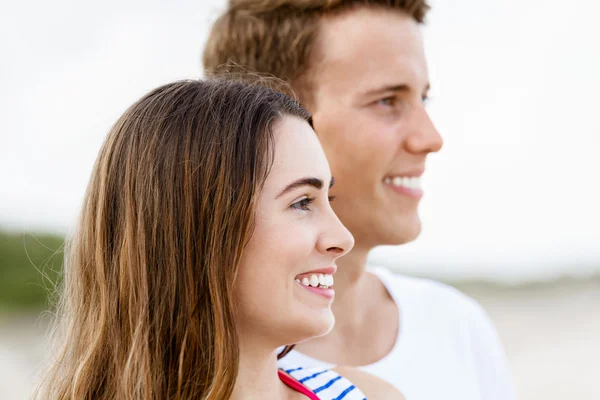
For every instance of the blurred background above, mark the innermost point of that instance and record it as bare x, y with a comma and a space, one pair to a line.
511, 212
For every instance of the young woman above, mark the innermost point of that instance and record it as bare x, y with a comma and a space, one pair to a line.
206, 242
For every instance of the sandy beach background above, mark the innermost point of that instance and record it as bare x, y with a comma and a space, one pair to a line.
551, 332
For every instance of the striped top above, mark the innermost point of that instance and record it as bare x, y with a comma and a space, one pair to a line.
324, 383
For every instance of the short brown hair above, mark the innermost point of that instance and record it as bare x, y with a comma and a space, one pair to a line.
147, 307
278, 37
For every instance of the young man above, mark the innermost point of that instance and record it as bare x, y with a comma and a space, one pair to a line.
360, 68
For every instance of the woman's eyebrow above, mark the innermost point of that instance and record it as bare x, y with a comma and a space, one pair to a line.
307, 181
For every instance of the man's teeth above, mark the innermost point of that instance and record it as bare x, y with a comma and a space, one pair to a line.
413, 182
320, 280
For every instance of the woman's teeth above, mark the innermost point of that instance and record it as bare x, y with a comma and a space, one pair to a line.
320, 280
413, 182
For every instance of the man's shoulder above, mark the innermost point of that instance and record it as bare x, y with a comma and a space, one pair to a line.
429, 294
431, 306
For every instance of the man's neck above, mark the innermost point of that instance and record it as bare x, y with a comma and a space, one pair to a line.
366, 317
349, 285
257, 374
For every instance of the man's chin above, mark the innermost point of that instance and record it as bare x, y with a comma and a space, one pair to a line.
404, 233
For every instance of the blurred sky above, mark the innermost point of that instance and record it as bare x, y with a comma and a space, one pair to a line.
514, 195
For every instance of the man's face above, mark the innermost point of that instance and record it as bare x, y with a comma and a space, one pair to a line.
369, 86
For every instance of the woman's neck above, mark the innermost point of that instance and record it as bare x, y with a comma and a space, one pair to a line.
257, 373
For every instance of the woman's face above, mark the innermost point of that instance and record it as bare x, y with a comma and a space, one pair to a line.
283, 288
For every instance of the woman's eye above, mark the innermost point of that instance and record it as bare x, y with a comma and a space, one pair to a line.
303, 204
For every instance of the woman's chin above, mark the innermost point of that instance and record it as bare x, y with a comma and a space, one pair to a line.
314, 327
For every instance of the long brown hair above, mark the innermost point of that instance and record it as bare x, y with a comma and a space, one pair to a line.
146, 309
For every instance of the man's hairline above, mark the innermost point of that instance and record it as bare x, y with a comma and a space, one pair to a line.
304, 83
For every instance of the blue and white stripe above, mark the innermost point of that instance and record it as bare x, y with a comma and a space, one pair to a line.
326, 384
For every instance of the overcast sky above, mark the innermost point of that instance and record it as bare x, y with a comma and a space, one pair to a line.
513, 195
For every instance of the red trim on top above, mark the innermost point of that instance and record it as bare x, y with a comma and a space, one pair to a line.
295, 385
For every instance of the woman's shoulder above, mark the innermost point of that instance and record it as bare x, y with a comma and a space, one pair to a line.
343, 383
325, 384
374, 388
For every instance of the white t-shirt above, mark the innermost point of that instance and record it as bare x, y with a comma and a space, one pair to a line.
447, 347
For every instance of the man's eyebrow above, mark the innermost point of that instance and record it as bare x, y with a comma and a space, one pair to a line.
393, 88
308, 181
388, 88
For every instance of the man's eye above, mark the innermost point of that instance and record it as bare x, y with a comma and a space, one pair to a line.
388, 101
303, 204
